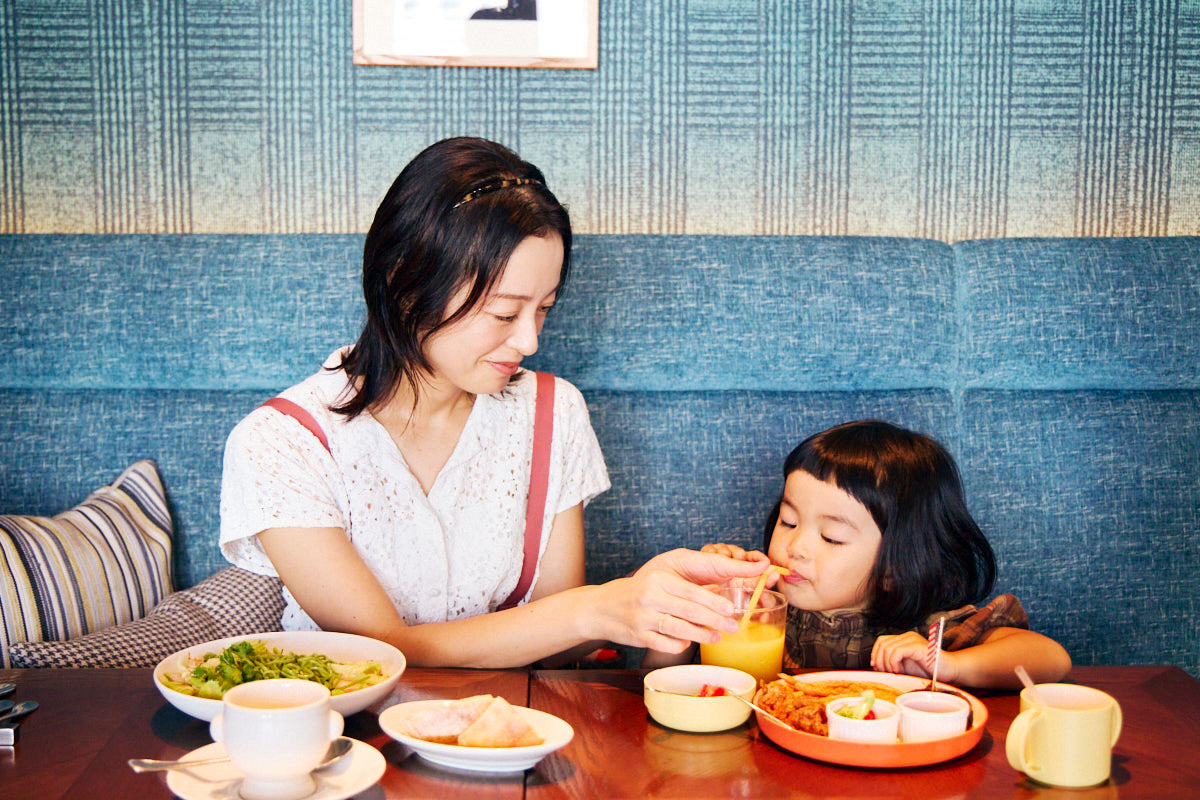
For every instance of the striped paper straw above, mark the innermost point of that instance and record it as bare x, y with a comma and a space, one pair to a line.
934, 649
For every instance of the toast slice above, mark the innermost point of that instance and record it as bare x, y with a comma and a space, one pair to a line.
443, 724
500, 725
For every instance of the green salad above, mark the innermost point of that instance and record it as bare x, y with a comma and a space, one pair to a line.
242, 662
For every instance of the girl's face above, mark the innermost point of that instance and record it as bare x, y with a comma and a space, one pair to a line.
829, 541
480, 352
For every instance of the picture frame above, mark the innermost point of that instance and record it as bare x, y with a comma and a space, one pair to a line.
555, 34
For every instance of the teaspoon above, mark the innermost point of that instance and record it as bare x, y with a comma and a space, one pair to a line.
7, 689
337, 748
19, 710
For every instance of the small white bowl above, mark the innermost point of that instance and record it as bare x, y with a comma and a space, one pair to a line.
925, 716
882, 730
676, 705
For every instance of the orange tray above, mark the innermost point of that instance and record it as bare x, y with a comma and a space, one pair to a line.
859, 754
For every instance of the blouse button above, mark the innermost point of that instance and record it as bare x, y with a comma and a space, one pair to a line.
435, 592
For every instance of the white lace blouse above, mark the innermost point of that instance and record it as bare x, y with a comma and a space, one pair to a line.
454, 553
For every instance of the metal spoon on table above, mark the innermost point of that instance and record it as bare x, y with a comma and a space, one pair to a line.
337, 748
19, 710
763, 711
7, 689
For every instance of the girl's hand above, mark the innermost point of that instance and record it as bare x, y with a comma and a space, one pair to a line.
729, 551
738, 554
904, 654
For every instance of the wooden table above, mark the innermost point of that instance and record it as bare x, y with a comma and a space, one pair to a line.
91, 721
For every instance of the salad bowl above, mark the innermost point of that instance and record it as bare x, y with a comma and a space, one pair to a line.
342, 648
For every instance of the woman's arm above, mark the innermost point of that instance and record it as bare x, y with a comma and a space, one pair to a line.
660, 606
991, 664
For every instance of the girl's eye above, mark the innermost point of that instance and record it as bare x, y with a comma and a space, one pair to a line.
830, 541
505, 317
783, 523
545, 309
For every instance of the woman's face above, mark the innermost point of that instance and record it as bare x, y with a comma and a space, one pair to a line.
481, 351
829, 541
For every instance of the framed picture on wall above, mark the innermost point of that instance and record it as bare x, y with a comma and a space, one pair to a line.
477, 33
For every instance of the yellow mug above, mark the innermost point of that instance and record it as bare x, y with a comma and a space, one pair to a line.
1069, 740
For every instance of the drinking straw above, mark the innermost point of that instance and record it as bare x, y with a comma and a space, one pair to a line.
933, 651
1029, 684
758, 590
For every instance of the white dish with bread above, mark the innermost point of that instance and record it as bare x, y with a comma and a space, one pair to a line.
481, 733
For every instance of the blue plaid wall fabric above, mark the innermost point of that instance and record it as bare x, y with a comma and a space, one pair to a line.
945, 120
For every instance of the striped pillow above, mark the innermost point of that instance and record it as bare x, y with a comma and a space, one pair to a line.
104, 562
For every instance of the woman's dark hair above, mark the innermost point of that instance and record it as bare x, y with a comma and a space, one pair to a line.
933, 556
452, 218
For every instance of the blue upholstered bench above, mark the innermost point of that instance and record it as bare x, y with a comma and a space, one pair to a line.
1064, 374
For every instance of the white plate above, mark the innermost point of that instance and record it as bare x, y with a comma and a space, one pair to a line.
359, 769
555, 734
341, 647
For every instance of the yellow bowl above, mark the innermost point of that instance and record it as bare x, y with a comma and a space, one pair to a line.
676, 705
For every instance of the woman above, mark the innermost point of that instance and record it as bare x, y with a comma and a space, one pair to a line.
392, 501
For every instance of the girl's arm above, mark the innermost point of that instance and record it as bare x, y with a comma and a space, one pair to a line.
991, 664
335, 587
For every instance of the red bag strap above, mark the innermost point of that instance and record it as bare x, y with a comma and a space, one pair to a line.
539, 479
297, 413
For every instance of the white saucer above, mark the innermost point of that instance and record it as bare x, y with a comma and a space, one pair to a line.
555, 734
359, 769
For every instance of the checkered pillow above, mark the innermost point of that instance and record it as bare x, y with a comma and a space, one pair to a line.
233, 602
105, 562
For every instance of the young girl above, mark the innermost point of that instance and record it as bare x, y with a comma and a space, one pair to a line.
875, 531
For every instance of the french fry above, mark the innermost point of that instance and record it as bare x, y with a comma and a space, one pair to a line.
801, 703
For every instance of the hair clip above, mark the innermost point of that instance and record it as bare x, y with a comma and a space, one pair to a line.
493, 187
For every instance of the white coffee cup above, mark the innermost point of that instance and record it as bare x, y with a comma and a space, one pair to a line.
276, 732
925, 716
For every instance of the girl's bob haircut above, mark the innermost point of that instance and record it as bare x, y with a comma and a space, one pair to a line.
451, 219
933, 556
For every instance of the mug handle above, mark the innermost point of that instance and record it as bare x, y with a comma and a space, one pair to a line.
216, 728
1017, 743
1117, 721
337, 724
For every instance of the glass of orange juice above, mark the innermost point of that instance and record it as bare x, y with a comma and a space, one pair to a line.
757, 647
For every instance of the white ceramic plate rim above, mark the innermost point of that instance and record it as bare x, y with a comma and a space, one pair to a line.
343, 646
362, 768
555, 732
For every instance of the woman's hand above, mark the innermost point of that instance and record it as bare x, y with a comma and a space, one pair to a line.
664, 605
